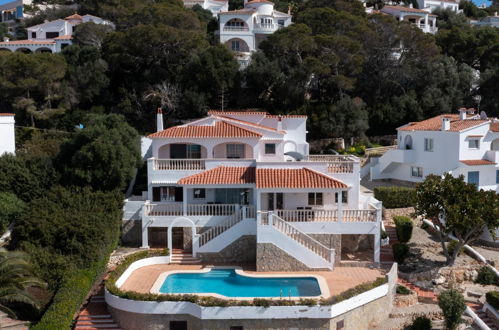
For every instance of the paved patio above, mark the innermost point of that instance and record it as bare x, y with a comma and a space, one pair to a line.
338, 280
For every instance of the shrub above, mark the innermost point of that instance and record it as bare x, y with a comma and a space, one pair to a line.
493, 299
403, 290
486, 276
396, 197
383, 234
403, 225
261, 302
452, 304
400, 252
424, 225
10, 208
421, 322
361, 288
451, 246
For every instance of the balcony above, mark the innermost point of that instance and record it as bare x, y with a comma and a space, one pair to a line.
228, 28
492, 155
265, 27
335, 163
369, 215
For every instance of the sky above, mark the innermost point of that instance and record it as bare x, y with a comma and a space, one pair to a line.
3, 2
476, 2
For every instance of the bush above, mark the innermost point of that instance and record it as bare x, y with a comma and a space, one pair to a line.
421, 322
10, 208
400, 252
404, 226
396, 197
403, 290
486, 276
361, 288
424, 225
493, 299
451, 246
384, 235
452, 304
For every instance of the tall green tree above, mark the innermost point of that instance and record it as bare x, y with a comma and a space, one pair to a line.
457, 208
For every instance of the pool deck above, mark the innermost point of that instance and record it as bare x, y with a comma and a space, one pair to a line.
338, 280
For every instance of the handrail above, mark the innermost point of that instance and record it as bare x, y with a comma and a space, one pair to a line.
178, 164
214, 231
211, 209
302, 238
163, 209
327, 215
335, 163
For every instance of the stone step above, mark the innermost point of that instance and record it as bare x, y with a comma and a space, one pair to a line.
84, 320
96, 326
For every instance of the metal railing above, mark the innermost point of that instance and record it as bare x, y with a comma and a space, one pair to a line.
213, 232
211, 209
178, 164
302, 238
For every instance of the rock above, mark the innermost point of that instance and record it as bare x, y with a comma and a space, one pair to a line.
473, 275
474, 294
439, 280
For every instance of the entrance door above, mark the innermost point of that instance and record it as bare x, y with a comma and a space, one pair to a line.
178, 238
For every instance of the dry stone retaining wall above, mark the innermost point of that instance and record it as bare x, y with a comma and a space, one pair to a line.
243, 250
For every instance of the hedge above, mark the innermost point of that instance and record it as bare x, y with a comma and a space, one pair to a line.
402, 290
403, 226
486, 276
493, 299
208, 301
396, 197
400, 252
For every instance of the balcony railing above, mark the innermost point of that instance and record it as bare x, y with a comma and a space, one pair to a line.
161, 210
335, 163
179, 164
266, 26
235, 28
211, 209
327, 215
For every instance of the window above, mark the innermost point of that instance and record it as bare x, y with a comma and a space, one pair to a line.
51, 35
270, 148
33, 35
474, 144
280, 22
497, 176
239, 327
474, 177
235, 150
315, 199
428, 144
185, 151
416, 172
168, 194
344, 197
178, 325
235, 45
340, 325
199, 193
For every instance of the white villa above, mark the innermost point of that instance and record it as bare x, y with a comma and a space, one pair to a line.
11, 10
240, 186
431, 5
7, 133
422, 18
488, 21
215, 6
242, 30
51, 36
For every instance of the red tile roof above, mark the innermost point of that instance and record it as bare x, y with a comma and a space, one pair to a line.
435, 124
74, 16
406, 9
494, 127
295, 178
222, 175
476, 162
64, 37
221, 129
251, 112
6, 114
248, 123
260, 1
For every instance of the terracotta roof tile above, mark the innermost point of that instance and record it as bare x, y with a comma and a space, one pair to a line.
435, 124
74, 16
406, 9
221, 129
251, 112
6, 114
260, 1
64, 37
475, 162
295, 178
494, 127
249, 123
222, 175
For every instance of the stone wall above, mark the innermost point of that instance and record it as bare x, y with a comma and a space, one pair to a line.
131, 233
243, 250
271, 258
332, 241
357, 242
187, 243
388, 214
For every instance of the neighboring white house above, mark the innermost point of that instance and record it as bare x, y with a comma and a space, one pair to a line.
7, 133
423, 19
242, 177
11, 10
51, 36
488, 21
215, 6
431, 5
242, 30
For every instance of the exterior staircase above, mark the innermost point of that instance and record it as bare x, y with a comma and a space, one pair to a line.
386, 256
477, 308
179, 256
424, 295
222, 227
95, 316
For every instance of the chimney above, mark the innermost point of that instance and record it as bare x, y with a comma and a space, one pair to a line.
279, 123
6, 39
410, 5
462, 113
445, 124
289, 10
159, 120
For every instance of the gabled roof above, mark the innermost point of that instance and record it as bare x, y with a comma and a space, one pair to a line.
476, 162
221, 129
225, 175
295, 178
435, 124
249, 123
74, 16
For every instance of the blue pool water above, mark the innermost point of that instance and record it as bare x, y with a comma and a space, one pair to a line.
227, 283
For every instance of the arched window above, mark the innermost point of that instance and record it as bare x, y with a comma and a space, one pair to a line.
237, 45
236, 24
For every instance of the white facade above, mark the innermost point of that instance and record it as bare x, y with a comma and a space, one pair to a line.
422, 18
10, 10
431, 5
189, 185
51, 36
472, 149
7, 134
215, 6
488, 21
243, 30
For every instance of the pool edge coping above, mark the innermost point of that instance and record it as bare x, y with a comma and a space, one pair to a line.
325, 293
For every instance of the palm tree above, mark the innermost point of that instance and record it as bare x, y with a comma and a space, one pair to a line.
16, 274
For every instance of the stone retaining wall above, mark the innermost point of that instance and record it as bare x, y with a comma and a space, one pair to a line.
243, 250
131, 232
270, 258
388, 214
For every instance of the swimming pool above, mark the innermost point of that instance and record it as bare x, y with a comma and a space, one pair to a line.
228, 283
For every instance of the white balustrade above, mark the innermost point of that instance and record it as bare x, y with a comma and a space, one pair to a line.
335, 163
213, 232
211, 209
327, 215
179, 164
163, 209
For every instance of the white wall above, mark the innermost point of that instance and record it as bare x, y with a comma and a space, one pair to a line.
7, 134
